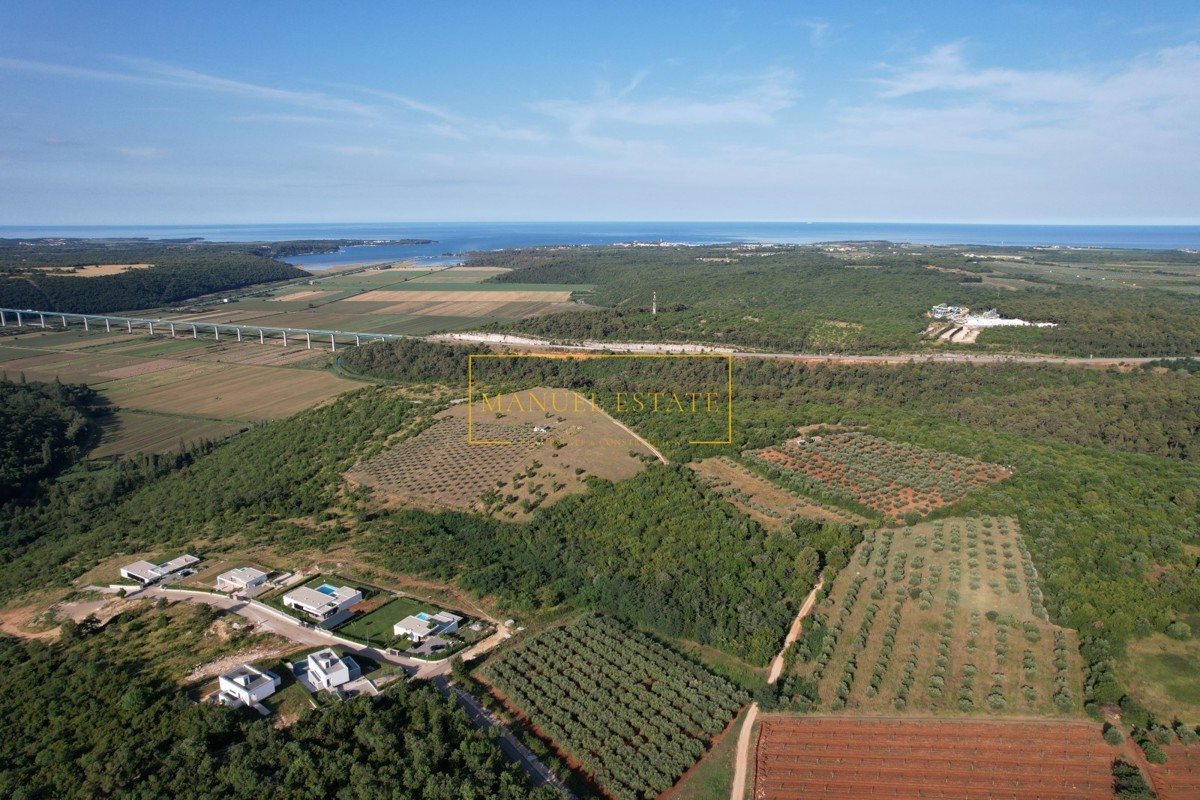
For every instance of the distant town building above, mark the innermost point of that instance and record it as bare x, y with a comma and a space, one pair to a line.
419, 626
245, 685
322, 602
328, 670
146, 573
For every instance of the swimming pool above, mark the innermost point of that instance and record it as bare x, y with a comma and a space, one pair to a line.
421, 615
325, 588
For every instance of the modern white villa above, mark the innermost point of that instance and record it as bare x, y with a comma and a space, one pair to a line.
240, 579
328, 670
245, 685
418, 626
146, 573
322, 602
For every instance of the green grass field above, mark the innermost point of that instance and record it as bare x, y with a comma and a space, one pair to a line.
378, 624
1164, 675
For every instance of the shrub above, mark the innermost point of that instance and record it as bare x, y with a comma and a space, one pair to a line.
1112, 735
1179, 630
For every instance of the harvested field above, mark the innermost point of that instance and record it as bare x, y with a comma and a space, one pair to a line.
446, 309
943, 618
440, 467
127, 432
142, 368
227, 391
460, 295
311, 294
866, 758
96, 270
1179, 778
889, 477
757, 497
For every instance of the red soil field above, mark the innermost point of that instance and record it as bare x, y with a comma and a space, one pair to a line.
867, 758
1179, 778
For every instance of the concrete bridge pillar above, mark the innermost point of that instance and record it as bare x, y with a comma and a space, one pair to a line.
195, 333
332, 344
239, 333
85, 324
19, 323
262, 337
129, 325
216, 333
357, 340
107, 325
308, 338
64, 319
151, 324
172, 330
3, 319
285, 338
43, 318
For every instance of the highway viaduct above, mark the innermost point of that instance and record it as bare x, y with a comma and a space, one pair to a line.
55, 320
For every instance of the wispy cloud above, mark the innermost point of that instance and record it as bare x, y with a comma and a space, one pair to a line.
142, 153
156, 73
941, 102
348, 103
450, 124
758, 105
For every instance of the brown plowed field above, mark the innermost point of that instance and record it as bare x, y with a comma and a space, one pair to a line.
1179, 778
867, 758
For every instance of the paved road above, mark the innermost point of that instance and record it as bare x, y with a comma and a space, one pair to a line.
269, 619
538, 773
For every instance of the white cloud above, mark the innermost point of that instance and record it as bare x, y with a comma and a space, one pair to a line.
1145, 109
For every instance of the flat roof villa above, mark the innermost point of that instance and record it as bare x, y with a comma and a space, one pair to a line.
245, 685
147, 573
328, 670
240, 579
418, 626
322, 602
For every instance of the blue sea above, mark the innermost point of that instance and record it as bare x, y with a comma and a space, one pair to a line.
454, 238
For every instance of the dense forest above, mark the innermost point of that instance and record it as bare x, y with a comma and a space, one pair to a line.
803, 299
44, 427
82, 721
39, 276
1104, 485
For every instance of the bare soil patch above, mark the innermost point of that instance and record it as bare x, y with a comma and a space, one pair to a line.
865, 758
454, 295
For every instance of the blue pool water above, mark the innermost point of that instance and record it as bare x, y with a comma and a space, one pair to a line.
325, 588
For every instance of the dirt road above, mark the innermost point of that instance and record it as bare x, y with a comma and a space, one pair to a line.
794, 631
742, 762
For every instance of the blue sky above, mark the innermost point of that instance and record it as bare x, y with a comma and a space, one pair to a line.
216, 112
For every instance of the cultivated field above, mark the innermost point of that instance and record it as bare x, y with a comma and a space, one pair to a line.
403, 301
952, 760
890, 478
169, 390
773, 507
440, 467
1179, 778
129, 432
630, 713
943, 618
